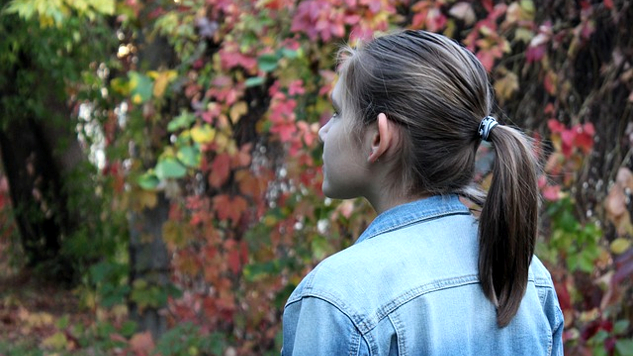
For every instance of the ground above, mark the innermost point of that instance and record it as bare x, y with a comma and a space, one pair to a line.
33, 312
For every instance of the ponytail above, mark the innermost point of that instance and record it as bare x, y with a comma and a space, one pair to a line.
508, 222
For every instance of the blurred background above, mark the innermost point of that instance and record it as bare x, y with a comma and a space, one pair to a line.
160, 173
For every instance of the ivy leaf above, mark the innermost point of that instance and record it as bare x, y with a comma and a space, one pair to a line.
142, 343
203, 134
141, 87
621, 326
121, 86
22, 8
182, 121
162, 79
105, 7
254, 81
506, 85
619, 245
240, 108
57, 341
463, 11
220, 170
148, 181
267, 62
289, 53
170, 168
624, 347
229, 208
189, 155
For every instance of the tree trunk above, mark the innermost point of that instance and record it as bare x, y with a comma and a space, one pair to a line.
40, 204
149, 262
149, 259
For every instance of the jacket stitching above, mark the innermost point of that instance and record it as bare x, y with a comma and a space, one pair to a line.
416, 221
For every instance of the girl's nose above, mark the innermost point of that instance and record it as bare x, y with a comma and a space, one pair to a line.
323, 131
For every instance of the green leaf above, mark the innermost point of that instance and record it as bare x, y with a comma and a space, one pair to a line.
99, 272
624, 347
621, 326
599, 337
189, 155
289, 53
105, 7
254, 81
128, 328
528, 6
170, 168
267, 62
182, 121
141, 87
148, 181
22, 8
63, 322
586, 261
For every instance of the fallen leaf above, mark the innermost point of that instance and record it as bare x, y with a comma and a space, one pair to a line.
142, 343
620, 245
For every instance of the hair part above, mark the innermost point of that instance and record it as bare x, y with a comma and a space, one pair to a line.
438, 92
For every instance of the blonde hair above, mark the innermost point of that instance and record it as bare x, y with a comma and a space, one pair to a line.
439, 92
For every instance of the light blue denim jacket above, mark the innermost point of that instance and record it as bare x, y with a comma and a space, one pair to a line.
409, 286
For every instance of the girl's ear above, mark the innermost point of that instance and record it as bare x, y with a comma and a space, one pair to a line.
383, 137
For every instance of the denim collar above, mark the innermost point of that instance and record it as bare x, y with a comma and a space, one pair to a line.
414, 212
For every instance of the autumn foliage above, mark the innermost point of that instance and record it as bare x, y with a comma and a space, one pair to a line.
226, 128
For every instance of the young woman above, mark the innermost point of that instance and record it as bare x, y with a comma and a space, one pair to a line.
426, 277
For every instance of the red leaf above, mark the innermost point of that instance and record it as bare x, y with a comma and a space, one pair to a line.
535, 53
551, 192
487, 59
555, 126
487, 5
564, 298
244, 252
234, 261
568, 137
220, 170
584, 140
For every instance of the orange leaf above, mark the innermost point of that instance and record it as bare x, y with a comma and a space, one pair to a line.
615, 204
230, 208
142, 343
243, 157
250, 185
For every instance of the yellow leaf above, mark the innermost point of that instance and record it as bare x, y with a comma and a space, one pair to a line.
222, 142
142, 199
528, 7
240, 108
137, 99
202, 134
105, 7
507, 85
620, 245
523, 35
161, 80
176, 235
56, 342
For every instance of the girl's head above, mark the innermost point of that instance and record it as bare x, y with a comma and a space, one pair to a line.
415, 101
434, 90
